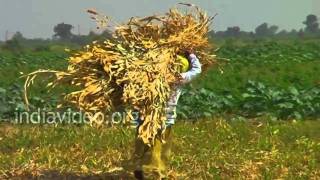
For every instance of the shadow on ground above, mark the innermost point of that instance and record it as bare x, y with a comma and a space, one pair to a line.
55, 175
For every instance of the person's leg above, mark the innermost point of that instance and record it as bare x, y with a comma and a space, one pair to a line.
155, 159
147, 159
167, 135
153, 165
167, 145
139, 151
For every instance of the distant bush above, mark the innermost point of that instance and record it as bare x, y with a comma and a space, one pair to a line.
42, 48
13, 45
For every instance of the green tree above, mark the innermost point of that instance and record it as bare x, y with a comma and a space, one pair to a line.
233, 31
18, 36
273, 30
63, 31
16, 43
312, 25
264, 30
13, 45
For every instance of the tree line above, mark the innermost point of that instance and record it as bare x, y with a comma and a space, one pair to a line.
63, 35
311, 29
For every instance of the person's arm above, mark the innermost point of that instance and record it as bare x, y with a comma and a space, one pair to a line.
194, 71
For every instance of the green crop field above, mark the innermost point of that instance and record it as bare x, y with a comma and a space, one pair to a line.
255, 116
278, 79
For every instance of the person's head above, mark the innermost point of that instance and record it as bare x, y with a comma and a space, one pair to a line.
184, 63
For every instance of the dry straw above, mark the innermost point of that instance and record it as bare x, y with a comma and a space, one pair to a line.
136, 70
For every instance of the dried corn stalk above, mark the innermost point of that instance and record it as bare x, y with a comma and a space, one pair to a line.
137, 69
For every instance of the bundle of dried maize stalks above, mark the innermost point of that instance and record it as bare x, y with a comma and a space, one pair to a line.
137, 69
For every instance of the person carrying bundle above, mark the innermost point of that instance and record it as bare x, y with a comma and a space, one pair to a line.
138, 70
153, 160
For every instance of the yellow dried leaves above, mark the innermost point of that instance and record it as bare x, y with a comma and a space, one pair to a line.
137, 69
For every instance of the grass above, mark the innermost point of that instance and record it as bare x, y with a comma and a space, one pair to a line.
255, 149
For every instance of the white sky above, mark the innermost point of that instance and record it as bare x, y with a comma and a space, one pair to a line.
36, 18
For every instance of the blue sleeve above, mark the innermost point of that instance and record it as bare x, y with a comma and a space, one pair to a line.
194, 71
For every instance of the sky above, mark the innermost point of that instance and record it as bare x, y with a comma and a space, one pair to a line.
36, 18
